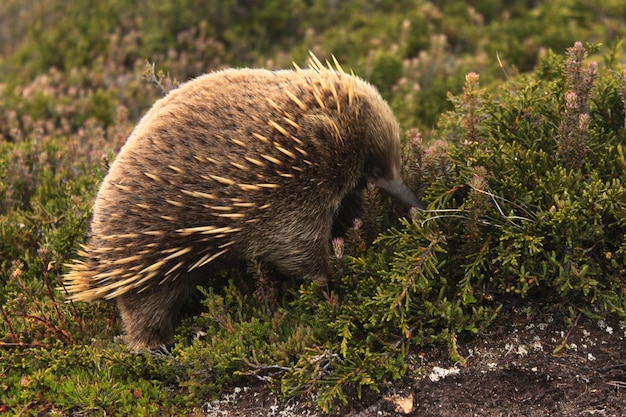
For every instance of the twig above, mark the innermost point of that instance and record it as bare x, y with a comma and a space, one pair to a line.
397, 344
564, 342
610, 368
23, 410
372, 410
69, 301
257, 368
7, 321
46, 277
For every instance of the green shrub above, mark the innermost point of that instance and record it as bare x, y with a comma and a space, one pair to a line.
540, 187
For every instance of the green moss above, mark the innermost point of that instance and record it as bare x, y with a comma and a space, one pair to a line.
83, 381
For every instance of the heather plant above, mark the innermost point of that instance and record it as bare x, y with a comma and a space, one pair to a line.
545, 206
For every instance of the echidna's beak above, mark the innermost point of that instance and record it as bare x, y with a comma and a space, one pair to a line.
398, 189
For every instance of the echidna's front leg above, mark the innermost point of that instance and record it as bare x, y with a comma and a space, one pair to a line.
307, 259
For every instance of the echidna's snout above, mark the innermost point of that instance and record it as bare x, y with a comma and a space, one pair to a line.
398, 190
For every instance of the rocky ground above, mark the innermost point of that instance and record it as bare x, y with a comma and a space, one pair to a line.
526, 366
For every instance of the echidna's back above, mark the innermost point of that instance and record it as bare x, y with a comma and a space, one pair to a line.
225, 154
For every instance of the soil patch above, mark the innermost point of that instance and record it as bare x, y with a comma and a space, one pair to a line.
527, 365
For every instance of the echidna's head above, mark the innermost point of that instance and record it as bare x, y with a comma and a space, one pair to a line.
383, 160
373, 143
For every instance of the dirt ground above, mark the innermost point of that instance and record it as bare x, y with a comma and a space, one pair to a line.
525, 366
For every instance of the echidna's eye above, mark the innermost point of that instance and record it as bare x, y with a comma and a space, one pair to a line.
377, 172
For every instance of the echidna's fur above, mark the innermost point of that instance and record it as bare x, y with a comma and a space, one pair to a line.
233, 166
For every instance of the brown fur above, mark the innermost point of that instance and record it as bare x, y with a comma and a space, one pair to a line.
232, 166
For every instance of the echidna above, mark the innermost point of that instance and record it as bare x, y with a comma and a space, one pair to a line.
233, 166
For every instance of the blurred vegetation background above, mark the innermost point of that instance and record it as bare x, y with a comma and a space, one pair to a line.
514, 132
413, 51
